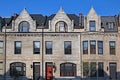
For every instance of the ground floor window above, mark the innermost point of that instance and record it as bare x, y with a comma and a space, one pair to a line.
67, 69
17, 69
93, 69
1, 68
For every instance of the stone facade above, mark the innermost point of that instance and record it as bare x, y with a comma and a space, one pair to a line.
58, 56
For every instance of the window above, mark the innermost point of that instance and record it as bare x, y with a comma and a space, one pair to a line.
100, 69
1, 68
85, 47
100, 47
18, 46
48, 47
112, 47
17, 69
1, 47
92, 25
90, 69
110, 25
24, 26
67, 47
93, 72
36, 47
92, 47
85, 69
61, 26
67, 69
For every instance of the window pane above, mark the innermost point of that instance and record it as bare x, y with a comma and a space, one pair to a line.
112, 47
36, 47
67, 46
1, 68
92, 25
24, 26
110, 25
100, 69
18, 46
92, 47
48, 47
1, 47
93, 72
85, 47
62, 27
17, 69
100, 47
85, 69
68, 69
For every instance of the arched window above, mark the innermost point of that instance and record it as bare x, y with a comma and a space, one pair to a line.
17, 69
67, 69
61, 26
24, 26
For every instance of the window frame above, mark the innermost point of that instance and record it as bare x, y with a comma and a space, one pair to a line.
100, 47
34, 48
58, 26
15, 48
2, 48
92, 26
85, 45
67, 51
22, 27
14, 66
91, 47
112, 48
49, 51
68, 69
1, 68
100, 69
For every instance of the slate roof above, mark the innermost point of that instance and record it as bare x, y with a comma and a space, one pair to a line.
105, 20
44, 21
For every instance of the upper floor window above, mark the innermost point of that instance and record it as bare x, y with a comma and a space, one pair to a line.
112, 47
24, 26
92, 25
85, 47
100, 47
48, 45
61, 26
1, 47
110, 25
18, 45
67, 47
92, 47
36, 47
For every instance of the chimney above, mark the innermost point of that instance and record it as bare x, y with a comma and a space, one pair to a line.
15, 15
81, 20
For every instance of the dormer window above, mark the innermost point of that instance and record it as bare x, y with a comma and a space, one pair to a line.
24, 26
61, 26
110, 25
92, 25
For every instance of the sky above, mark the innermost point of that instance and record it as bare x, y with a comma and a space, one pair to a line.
48, 7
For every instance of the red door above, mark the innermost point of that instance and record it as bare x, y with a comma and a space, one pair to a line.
49, 70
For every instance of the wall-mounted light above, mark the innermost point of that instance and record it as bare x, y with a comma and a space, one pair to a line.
107, 68
54, 66
31, 66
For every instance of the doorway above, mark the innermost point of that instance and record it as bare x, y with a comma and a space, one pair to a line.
36, 70
113, 71
49, 70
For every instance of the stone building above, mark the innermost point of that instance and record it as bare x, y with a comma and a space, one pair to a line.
63, 46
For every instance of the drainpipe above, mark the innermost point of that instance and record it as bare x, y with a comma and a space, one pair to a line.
80, 56
5, 53
42, 52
